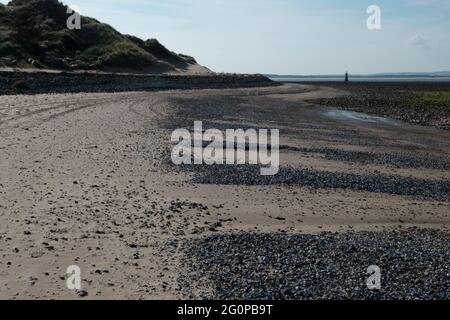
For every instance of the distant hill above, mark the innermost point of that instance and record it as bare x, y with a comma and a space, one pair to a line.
34, 34
414, 74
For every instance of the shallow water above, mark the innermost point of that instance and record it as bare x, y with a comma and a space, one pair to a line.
358, 116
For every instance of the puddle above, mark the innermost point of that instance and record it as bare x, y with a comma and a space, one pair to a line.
358, 116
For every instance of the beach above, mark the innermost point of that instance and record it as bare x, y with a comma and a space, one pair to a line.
86, 179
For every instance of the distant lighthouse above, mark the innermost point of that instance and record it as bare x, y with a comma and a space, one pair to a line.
346, 77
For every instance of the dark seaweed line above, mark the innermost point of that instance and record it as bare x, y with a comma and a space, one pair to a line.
250, 175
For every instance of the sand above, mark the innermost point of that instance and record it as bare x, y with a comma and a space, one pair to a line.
85, 180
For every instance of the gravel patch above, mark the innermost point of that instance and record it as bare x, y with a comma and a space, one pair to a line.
396, 160
414, 265
390, 184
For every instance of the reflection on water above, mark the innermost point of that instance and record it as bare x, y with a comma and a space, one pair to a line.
357, 116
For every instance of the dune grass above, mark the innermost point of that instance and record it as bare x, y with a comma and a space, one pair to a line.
34, 34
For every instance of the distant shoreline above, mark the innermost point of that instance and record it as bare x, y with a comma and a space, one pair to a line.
355, 79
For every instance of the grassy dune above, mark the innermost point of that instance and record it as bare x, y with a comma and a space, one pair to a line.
34, 34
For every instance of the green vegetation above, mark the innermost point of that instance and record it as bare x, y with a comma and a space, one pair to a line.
34, 34
434, 100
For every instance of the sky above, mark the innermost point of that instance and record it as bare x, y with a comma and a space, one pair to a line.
289, 36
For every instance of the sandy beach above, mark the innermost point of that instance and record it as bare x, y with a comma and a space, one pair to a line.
86, 179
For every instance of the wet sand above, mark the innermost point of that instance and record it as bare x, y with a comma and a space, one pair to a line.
86, 180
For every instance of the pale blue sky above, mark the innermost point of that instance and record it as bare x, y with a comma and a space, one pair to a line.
289, 36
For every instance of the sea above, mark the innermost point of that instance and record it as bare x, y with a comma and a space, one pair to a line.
357, 79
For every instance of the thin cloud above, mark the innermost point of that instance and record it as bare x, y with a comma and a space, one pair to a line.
420, 42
